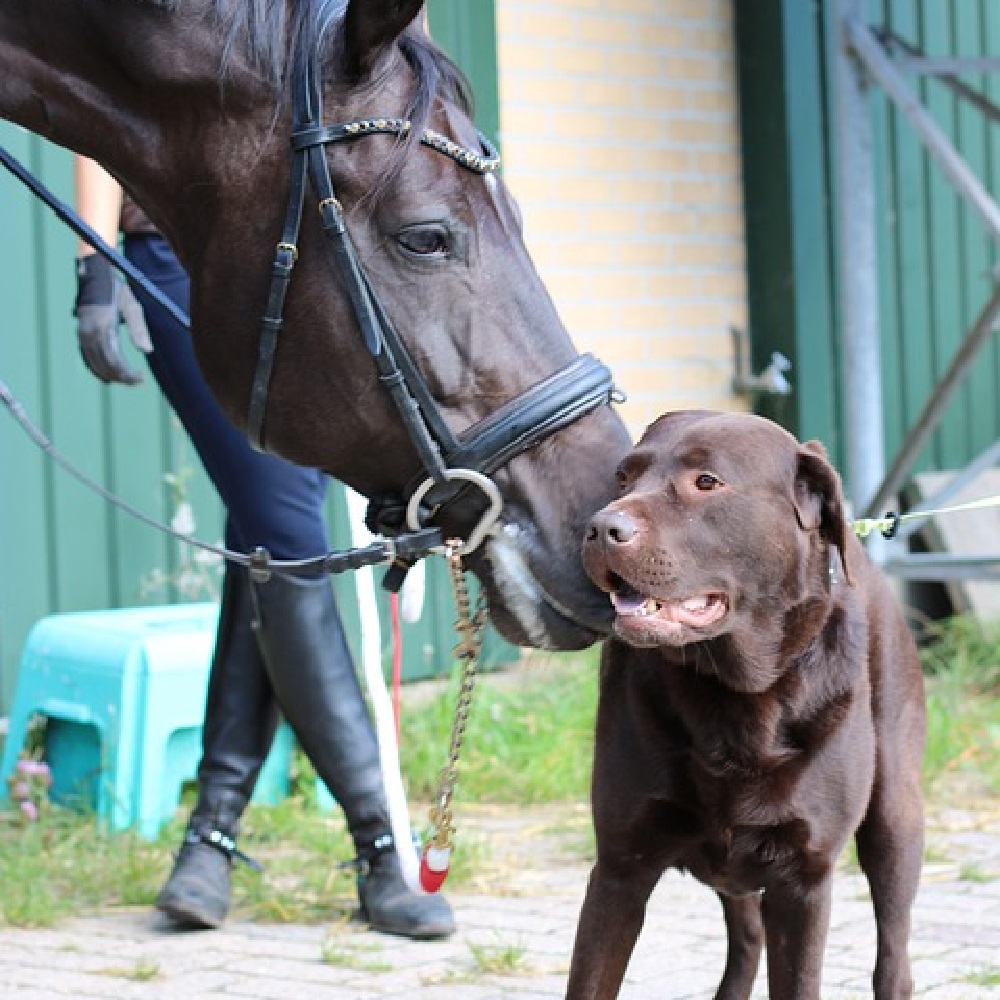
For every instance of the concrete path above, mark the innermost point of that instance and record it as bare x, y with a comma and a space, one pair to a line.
515, 935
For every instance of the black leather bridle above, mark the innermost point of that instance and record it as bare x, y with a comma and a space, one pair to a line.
450, 463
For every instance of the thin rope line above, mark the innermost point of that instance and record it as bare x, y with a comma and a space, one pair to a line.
864, 526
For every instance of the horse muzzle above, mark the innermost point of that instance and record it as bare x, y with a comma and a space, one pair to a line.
525, 609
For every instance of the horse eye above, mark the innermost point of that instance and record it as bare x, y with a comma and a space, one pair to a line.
706, 481
425, 241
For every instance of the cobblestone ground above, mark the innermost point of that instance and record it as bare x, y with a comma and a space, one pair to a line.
515, 935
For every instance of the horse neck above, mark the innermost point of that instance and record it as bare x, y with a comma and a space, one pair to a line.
74, 74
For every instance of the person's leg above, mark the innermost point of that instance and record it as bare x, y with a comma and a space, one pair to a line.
313, 676
302, 655
241, 716
241, 713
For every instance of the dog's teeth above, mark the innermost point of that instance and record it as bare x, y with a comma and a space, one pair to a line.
695, 604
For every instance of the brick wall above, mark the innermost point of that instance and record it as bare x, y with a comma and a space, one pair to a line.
619, 125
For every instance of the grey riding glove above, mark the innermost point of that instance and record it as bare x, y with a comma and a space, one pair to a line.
102, 301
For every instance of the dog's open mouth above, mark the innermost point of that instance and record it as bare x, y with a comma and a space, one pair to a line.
641, 612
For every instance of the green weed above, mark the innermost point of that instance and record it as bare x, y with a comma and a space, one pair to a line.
64, 863
143, 971
364, 959
985, 977
499, 959
974, 872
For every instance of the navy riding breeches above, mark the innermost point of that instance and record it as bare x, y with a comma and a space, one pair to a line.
269, 501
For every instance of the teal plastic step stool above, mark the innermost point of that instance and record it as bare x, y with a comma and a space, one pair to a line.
123, 694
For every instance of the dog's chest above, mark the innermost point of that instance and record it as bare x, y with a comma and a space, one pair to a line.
741, 859
743, 822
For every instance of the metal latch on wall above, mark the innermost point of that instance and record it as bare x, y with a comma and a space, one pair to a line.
771, 381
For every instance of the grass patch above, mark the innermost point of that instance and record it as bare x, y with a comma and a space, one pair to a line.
973, 872
526, 743
529, 741
963, 647
304, 851
961, 659
64, 864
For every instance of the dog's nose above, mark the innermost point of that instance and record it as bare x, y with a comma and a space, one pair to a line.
613, 527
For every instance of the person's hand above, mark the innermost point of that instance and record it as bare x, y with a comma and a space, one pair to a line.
102, 301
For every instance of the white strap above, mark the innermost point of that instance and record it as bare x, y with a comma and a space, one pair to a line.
385, 723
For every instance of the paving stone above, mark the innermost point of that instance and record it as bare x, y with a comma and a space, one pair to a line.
680, 955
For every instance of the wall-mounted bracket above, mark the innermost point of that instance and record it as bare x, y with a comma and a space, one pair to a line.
771, 381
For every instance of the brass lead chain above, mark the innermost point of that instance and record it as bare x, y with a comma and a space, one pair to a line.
469, 627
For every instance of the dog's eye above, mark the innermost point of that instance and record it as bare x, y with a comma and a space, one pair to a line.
621, 478
706, 481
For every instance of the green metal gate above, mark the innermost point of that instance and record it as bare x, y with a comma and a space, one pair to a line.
61, 547
935, 261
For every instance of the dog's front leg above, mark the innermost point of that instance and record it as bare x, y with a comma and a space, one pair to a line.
745, 930
796, 919
610, 921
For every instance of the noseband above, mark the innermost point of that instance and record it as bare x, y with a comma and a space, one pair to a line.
450, 463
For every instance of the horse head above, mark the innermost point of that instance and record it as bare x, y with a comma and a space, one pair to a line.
195, 121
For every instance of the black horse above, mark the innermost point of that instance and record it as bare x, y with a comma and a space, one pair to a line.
191, 104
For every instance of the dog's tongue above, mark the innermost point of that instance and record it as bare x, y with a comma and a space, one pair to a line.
628, 604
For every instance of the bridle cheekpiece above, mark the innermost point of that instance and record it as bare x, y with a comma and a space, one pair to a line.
450, 463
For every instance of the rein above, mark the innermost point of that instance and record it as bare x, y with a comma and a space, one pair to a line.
91, 236
405, 548
451, 464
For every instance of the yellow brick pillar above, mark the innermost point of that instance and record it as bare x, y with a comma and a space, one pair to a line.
620, 140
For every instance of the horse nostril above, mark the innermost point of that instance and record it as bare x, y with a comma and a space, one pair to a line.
615, 527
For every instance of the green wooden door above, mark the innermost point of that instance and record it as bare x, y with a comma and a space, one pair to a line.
787, 207
935, 262
62, 548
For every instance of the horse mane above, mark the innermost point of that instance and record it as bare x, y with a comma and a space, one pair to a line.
259, 30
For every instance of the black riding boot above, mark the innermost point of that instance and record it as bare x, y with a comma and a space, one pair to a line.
241, 716
314, 680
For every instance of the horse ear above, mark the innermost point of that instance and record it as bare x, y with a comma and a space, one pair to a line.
819, 498
370, 26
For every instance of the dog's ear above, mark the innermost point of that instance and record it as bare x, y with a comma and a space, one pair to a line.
819, 498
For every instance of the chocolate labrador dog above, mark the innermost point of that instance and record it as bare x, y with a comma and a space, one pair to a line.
760, 701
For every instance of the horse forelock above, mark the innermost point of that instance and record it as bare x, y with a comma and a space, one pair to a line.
435, 76
260, 30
